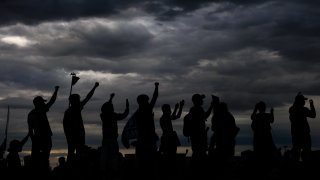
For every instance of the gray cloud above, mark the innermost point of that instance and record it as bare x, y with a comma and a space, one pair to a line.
243, 52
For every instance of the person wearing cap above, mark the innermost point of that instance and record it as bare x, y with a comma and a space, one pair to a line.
300, 130
73, 124
110, 147
198, 135
39, 128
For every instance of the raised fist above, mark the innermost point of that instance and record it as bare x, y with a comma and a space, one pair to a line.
182, 103
127, 103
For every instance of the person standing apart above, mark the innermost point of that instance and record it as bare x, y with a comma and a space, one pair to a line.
300, 129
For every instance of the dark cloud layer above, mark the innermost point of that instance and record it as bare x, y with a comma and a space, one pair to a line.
243, 51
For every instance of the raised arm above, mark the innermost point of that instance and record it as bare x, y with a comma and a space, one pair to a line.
53, 97
254, 113
312, 112
90, 94
155, 94
176, 107
177, 116
215, 101
24, 140
125, 113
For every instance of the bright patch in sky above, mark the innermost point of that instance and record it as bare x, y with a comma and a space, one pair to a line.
16, 40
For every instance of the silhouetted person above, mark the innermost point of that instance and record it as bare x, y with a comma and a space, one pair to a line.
198, 134
169, 139
110, 147
13, 157
263, 145
40, 130
225, 131
146, 145
73, 124
61, 171
300, 130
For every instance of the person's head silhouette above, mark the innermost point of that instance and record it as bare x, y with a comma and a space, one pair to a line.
74, 99
300, 99
261, 106
39, 102
197, 99
166, 109
15, 146
143, 100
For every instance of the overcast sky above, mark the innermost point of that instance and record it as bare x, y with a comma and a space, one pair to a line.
243, 51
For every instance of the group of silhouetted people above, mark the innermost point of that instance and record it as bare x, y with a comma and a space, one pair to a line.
221, 144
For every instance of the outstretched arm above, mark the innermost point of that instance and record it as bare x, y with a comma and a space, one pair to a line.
214, 102
24, 140
53, 97
90, 94
155, 95
176, 107
177, 116
125, 113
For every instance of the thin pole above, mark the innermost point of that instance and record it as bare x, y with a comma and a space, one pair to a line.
70, 91
7, 125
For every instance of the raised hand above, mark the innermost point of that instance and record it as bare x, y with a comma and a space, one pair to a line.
127, 103
181, 103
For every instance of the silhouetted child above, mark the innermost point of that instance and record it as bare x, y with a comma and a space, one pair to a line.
110, 147
73, 124
263, 145
13, 157
300, 130
61, 171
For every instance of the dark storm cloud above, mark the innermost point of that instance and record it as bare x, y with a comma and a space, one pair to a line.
242, 51
34, 11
